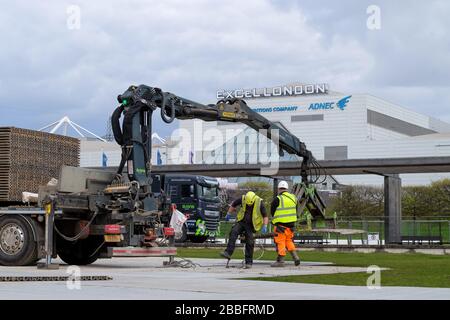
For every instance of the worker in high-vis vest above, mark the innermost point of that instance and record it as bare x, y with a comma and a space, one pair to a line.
252, 217
284, 216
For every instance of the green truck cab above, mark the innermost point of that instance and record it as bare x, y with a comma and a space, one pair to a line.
197, 197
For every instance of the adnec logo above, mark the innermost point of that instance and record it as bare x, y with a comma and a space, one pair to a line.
341, 104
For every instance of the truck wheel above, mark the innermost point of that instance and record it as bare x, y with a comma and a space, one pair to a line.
183, 237
198, 239
81, 252
17, 245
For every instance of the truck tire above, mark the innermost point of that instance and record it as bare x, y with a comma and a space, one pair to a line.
198, 239
17, 245
80, 252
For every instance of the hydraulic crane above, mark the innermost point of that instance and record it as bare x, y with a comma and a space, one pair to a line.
138, 103
91, 214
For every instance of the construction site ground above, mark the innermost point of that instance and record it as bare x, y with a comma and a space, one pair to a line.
146, 278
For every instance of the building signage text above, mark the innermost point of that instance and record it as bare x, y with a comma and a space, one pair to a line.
280, 91
275, 109
341, 104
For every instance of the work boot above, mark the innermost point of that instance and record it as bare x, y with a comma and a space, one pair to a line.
279, 263
295, 257
226, 255
248, 266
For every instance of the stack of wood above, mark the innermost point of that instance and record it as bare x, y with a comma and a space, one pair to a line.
29, 159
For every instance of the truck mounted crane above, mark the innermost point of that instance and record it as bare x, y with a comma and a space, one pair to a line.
139, 102
94, 213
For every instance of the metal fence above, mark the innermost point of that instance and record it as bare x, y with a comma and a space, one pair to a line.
431, 229
424, 231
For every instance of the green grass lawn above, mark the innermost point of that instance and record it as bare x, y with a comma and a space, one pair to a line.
414, 270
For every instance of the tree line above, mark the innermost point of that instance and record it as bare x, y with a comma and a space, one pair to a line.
367, 201
417, 201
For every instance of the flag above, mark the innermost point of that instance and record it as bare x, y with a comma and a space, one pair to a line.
158, 158
104, 160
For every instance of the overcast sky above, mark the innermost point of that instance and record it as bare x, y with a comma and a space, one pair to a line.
193, 48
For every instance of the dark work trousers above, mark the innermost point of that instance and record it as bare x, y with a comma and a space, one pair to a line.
242, 228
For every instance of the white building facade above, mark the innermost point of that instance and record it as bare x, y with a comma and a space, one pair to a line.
96, 153
333, 125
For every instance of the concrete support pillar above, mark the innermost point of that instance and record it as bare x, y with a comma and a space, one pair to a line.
392, 208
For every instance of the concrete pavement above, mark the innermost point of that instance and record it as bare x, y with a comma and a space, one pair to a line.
146, 278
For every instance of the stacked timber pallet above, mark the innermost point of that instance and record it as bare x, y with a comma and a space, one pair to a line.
29, 159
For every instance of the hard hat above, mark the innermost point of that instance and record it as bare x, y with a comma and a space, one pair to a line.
283, 185
250, 198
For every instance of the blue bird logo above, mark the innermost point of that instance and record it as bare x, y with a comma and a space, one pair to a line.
343, 102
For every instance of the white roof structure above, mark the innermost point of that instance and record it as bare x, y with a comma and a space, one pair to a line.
64, 124
158, 137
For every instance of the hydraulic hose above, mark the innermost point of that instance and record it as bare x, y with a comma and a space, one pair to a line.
115, 124
167, 119
78, 236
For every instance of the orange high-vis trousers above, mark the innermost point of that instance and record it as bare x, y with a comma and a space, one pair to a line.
283, 240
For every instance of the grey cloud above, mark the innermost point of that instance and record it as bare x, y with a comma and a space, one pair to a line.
193, 48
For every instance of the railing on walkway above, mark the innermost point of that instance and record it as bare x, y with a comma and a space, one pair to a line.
414, 231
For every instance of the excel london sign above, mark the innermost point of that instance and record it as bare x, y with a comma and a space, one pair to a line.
281, 91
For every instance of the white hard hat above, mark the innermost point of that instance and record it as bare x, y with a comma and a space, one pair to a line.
283, 185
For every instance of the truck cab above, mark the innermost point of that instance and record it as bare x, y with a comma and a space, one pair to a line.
198, 198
